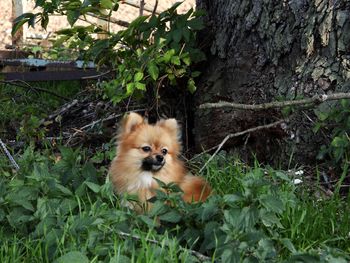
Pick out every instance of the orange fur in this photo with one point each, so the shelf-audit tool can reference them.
(129, 173)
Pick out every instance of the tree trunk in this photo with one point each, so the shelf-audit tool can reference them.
(262, 51)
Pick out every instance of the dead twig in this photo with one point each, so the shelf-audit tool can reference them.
(62, 110)
(316, 99)
(81, 130)
(135, 3)
(232, 135)
(110, 117)
(111, 19)
(97, 76)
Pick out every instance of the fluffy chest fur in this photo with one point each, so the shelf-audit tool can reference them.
(143, 181)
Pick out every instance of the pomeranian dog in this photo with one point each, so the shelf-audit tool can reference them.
(147, 152)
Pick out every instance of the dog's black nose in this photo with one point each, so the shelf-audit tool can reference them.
(159, 158)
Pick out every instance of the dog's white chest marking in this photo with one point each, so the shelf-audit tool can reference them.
(144, 180)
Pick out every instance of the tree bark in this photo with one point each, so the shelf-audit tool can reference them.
(261, 51)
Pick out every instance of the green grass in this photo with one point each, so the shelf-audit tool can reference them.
(58, 211)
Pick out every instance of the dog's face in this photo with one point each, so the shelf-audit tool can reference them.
(148, 147)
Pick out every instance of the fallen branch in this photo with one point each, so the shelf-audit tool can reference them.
(9, 156)
(316, 99)
(200, 256)
(111, 117)
(62, 110)
(232, 135)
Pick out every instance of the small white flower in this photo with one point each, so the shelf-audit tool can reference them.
(292, 135)
(300, 172)
(297, 181)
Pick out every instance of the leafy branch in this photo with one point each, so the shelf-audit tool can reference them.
(149, 48)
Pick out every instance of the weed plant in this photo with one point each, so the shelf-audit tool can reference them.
(65, 211)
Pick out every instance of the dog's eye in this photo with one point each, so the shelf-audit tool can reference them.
(164, 151)
(146, 149)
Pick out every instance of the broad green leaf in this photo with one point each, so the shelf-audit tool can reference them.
(172, 216)
(209, 210)
(322, 115)
(130, 88)
(338, 142)
(67, 206)
(39, 3)
(270, 219)
(153, 70)
(232, 198)
(175, 60)
(282, 176)
(148, 221)
(26, 204)
(89, 172)
(272, 203)
(159, 207)
(196, 24)
(140, 86)
(177, 35)
(168, 55)
(138, 76)
(44, 20)
(18, 25)
(248, 217)
(288, 244)
(107, 4)
(94, 187)
(195, 74)
(72, 16)
(187, 61)
(191, 86)
(63, 189)
(230, 255)
(72, 256)
(186, 33)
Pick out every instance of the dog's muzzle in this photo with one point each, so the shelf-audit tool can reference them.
(153, 164)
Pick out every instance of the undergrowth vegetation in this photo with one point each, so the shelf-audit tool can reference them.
(24, 105)
(60, 209)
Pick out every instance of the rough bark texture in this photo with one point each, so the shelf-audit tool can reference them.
(264, 50)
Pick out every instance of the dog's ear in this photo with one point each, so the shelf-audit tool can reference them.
(172, 126)
(130, 122)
